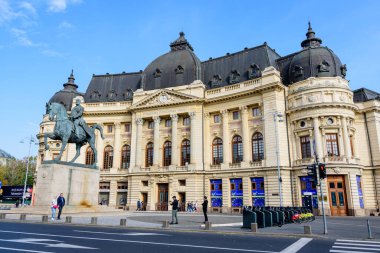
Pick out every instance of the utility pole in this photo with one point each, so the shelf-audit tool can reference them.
(322, 198)
(31, 140)
(277, 117)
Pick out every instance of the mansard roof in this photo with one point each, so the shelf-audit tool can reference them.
(364, 94)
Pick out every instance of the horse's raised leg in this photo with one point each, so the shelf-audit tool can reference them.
(64, 143)
(51, 136)
(77, 147)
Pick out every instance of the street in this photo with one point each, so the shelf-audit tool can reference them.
(43, 238)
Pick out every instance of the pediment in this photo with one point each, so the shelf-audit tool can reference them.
(164, 97)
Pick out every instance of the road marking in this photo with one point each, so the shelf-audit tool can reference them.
(349, 251)
(350, 247)
(129, 234)
(145, 242)
(25, 250)
(295, 247)
(46, 243)
(357, 244)
(356, 225)
(341, 240)
(226, 224)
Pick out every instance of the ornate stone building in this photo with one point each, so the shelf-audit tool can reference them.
(227, 127)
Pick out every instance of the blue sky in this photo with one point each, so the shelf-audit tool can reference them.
(42, 40)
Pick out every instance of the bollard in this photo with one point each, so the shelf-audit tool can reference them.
(254, 227)
(307, 230)
(22, 216)
(208, 225)
(94, 220)
(45, 218)
(165, 224)
(369, 230)
(68, 219)
(2, 216)
(123, 222)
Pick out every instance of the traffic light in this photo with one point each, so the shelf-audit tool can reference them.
(322, 170)
(312, 172)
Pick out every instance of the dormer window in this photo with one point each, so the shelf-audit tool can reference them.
(95, 96)
(179, 70)
(297, 71)
(128, 94)
(111, 96)
(157, 73)
(234, 76)
(343, 70)
(324, 66)
(254, 71)
(215, 81)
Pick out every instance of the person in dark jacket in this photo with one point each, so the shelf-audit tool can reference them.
(174, 203)
(204, 208)
(60, 203)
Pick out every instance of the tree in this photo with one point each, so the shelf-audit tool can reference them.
(14, 172)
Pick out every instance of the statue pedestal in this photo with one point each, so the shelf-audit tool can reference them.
(78, 183)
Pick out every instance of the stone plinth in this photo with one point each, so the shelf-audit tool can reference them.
(78, 183)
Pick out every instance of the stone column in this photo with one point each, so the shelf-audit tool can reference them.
(100, 147)
(346, 139)
(175, 159)
(247, 155)
(133, 143)
(207, 147)
(113, 193)
(117, 148)
(317, 138)
(226, 138)
(293, 141)
(156, 138)
(139, 123)
(193, 140)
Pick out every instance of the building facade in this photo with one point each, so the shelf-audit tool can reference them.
(240, 129)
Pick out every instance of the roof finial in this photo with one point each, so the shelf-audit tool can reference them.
(181, 43)
(70, 83)
(311, 40)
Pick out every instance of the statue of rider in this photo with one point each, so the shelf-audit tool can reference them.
(76, 117)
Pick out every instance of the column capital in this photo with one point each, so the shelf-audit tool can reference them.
(157, 119)
(206, 115)
(174, 117)
(192, 115)
(224, 112)
(243, 109)
(139, 121)
(117, 125)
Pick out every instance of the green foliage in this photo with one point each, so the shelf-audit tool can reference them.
(13, 173)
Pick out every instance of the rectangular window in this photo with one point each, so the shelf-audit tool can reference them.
(168, 123)
(253, 186)
(256, 111)
(332, 145)
(127, 127)
(235, 115)
(352, 145)
(212, 187)
(216, 192)
(109, 129)
(104, 185)
(305, 147)
(360, 191)
(186, 121)
(144, 183)
(217, 118)
(151, 124)
(258, 191)
(182, 182)
(232, 187)
(122, 185)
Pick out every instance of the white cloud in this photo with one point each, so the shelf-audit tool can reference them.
(65, 25)
(6, 12)
(22, 37)
(29, 8)
(51, 53)
(61, 5)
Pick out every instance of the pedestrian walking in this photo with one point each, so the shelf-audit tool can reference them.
(174, 205)
(138, 205)
(196, 206)
(204, 208)
(61, 203)
(53, 207)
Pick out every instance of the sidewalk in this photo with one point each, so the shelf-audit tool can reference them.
(338, 227)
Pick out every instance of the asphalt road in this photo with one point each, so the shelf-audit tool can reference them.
(44, 238)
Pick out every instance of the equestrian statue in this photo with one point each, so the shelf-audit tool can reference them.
(71, 129)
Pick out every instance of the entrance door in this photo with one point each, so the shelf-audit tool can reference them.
(337, 193)
(163, 197)
(144, 200)
(181, 201)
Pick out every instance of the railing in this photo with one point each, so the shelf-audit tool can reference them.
(181, 167)
(215, 166)
(145, 169)
(256, 163)
(235, 165)
(304, 161)
(163, 168)
(234, 87)
(334, 158)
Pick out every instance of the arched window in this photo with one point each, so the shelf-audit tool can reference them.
(185, 152)
(237, 149)
(149, 154)
(167, 153)
(90, 158)
(108, 158)
(217, 151)
(257, 147)
(125, 156)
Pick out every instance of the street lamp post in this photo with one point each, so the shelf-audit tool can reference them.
(278, 117)
(31, 140)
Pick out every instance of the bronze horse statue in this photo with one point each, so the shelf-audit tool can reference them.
(64, 131)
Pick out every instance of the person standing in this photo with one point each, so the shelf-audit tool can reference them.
(174, 205)
(53, 207)
(204, 208)
(138, 205)
(61, 203)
